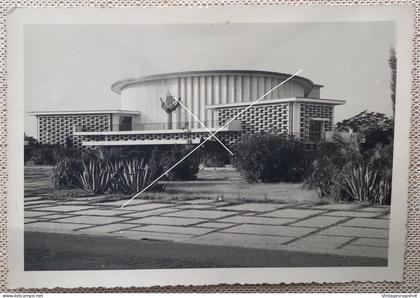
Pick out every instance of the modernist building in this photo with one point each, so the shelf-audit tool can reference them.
(214, 97)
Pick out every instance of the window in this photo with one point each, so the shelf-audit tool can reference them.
(125, 123)
(315, 131)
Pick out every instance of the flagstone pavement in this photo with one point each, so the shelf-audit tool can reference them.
(342, 229)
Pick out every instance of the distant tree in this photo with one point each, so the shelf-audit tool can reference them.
(31, 140)
(365, 121)
(376, 128)
(392, 61)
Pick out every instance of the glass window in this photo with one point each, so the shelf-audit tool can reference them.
(315, 131)
(126, 123)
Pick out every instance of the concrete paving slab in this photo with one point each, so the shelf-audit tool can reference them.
(145, 207)
(258, 220)
(240, 240)
(194, 206)
(254, 207)
(102, 212)
(110, 228)
(319, 242)
(169, 221)
(63, 208)
(53, 228)
(75, 203)
(375, 209)
(34, 213)
(317, 221)
(356, 232)
(56, 216)
(141, 214)
(89, 198)
(368, 223)
(242, 225)
(221, 204)
(371, 242)
(269, 230)
(337, 206)
(292, 213)
(199, 201)
(174, 229)
(215, 224)
(352, 214)
(202, 213)
(33, 198)
(35, 207)
(142, 235)
(119, 203)
(90, 220)
(376, 252)
(111, 203)
(40, 202)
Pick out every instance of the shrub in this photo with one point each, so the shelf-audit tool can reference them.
(270, 158)
(186, 170)
(343, 171)
(214, 155)
(61, 152)
(321, 179)
(132, 175)
(101, 171)
(364, 184)
(136, 175)
(42, 154)
(49, 154)
(64, 174)
(95, 176)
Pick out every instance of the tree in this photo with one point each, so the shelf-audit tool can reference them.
(364, 122)
(30, 140)
(392, 61)
(375, 128)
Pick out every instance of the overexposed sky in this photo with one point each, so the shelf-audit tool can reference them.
(72, 67)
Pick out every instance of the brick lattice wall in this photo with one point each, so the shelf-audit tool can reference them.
(309, 111)
(273, 118)
(56, 128)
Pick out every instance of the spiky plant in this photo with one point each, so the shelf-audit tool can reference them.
(134, 175)
(365, 185)
(95, 176)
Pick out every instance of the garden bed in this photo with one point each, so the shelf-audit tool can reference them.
(220, 183)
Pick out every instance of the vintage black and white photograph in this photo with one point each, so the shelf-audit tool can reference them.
(216, 144)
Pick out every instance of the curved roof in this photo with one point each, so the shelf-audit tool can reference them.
(118, 86)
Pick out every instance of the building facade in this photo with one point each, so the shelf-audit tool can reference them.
(150, 116)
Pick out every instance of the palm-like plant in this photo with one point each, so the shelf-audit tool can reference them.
(364, 184)
(95, 176)
(134, 175)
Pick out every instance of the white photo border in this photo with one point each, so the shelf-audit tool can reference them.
(402, 15)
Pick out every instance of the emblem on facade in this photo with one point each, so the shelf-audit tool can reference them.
(169, 105)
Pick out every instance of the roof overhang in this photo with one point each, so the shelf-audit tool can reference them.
(88, 112)
(235, 125)
(142, 142)
(118, 86)
(276, 101)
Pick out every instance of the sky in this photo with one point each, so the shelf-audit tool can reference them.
(72, 67)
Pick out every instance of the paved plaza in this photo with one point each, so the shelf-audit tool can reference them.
(340, 229)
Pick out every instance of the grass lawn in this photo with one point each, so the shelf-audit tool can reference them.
(211, 183)
(38, 184)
